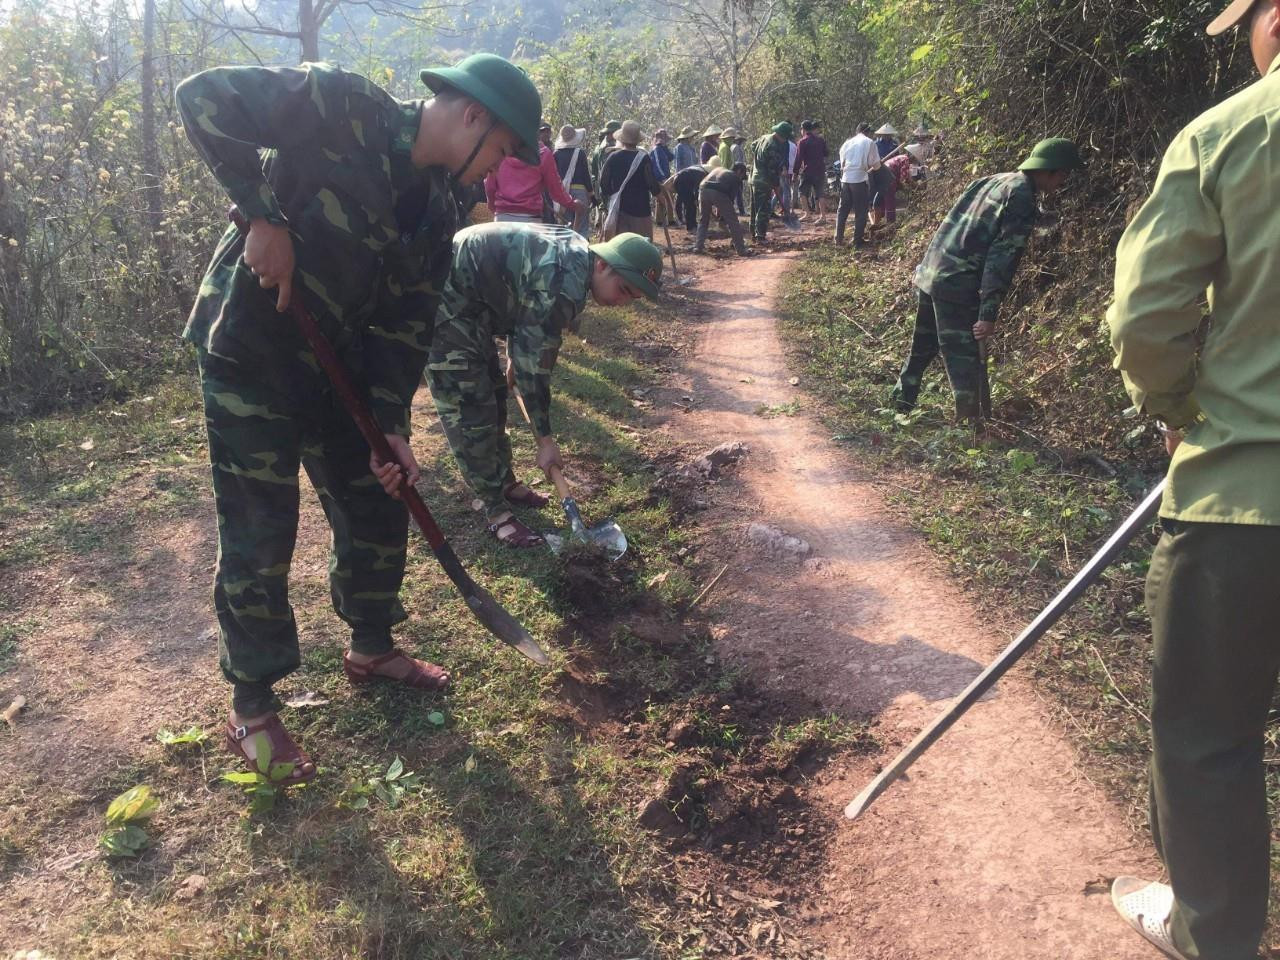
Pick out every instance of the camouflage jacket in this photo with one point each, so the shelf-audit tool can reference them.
(372, 233)
(973, 256)
(525, 282)
(769, 159)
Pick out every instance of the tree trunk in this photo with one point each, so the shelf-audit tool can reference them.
(308, 31)
(151, 174)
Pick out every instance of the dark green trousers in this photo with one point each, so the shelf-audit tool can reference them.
(470, 393)
(1215, 617)
(261, 429)
(946, 328)
(761, 207)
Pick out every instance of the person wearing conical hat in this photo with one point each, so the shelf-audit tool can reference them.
(724, 150)
(686, 154)
(575, 175)
(886, 140)
(967, 270)
(627, 185)
(528, 283)
(710, 143)
(369, 265)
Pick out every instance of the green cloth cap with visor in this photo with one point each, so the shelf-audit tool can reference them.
(610, 128)
(502, 88)
(637, 260)
(784, 128)
(1056, 153)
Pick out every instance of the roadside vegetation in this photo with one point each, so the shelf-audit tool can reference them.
(1066, 457)
(609, 807)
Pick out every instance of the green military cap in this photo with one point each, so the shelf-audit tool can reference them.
(610, 128)
(636, 259)
(784, 128)
(1056, 153)
(502, 88)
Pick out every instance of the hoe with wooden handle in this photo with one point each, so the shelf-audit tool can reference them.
(1024, 642)
(481, 603)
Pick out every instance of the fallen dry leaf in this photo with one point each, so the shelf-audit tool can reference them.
(13, 710)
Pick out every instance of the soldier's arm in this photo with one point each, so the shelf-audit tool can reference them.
(230, 113)
(534, 346)
(1165, 261)
(1013, 228)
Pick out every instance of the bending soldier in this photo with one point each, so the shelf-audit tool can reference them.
(528, 284)
(967, 270)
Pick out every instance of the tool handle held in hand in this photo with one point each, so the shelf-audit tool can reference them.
(555, 473)
(359, 411)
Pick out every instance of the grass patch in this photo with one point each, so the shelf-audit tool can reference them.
(1017, 514)
(532, 814)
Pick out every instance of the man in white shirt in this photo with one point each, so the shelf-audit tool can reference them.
(858, 157)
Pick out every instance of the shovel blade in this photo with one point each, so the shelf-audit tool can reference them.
(503, 625)
(608, 538)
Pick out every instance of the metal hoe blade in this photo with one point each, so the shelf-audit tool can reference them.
(504, 626)
(1012, 653)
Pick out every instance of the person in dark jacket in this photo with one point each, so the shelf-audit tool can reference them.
(575, 173)
(685, 186)
(627, 182)
(715, 198)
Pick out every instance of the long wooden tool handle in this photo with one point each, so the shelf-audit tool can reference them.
(1024, 642)
(557, 477)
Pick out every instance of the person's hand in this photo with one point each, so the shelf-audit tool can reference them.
(983, 329)
(1171, 440)
(549, 456)
(268, 253)
(394, 474)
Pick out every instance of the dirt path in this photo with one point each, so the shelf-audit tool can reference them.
(998, 846)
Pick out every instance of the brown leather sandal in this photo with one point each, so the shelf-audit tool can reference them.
(283, 748)
(530, 498)
(421, 675)
(515, 534)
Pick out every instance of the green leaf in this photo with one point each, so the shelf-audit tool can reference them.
(263, 760)
(136, 803)
(470, 765)
(124, 841)
(242, 779)
(396, 769)
(191, 735)
(920, 52)
(435, 718)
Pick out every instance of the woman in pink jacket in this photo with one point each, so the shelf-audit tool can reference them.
(515, 189)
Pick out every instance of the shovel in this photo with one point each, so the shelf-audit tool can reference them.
(605, 536)
(481, 603)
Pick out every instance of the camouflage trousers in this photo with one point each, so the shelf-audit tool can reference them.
(946, 328)
(761, 207)
(470, 393)
(261, 429)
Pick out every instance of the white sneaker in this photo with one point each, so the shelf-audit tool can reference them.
(1147, 907)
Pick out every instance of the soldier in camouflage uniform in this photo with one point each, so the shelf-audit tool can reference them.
(967, 270)
(368, 184)
(529, 284)
(769, 157)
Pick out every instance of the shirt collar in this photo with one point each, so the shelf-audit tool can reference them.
(409, 119)
(1275, 65)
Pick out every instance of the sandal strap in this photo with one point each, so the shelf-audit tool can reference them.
(520, 536)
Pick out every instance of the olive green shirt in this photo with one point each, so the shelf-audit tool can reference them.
(1210, 224)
